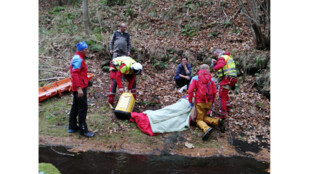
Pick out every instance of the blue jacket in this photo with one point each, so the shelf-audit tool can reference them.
(78, 70)
(181, 70)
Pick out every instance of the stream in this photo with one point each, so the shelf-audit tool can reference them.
(93, 162)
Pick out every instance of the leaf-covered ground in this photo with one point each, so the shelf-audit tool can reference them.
(161, 32)
(249, 117)
(155, 26)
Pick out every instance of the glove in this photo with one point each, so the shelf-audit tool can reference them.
(191, 105)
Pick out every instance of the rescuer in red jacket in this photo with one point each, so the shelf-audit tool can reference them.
(78, 70)
(127, 67)
(205, 96)
(226, 71)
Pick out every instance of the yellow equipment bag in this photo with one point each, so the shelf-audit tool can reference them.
(125, 106)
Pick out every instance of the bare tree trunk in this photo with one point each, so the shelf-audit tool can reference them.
(256, 21)
(260, 40)
(86, 16)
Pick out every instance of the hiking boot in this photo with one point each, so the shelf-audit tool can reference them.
(73, 130)
(221, 125)
(84, 131)
(207, 134)
(87, 134)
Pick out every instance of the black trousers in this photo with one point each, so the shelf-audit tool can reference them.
(182, 82)
(79, 107)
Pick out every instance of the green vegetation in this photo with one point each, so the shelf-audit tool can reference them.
(213, 34)
(56, 10)
(147, 103)
(228, 23)
(241, 138)
(238, 30)
(260, 105)
(94, 46)
(160, 65)
(191, 4)
(153, 14)
(48, 168)
(260, 61)
(53, 116)
(189, 31)
(129, 11)
(211, 24)
(112, 2)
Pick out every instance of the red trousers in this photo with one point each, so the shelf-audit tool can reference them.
(224, 100)
(113, 87)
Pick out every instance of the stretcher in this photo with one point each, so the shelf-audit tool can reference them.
(57, 87)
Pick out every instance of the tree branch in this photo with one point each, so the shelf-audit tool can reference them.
(52, 71)
(52, 67)
(60, 153)
(235, 14)
(45, 57)
(52, 78)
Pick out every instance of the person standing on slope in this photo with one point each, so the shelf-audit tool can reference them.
(120, 43)
(79, 79)
(226, 71)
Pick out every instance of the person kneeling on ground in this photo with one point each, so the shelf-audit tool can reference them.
(205, 95)
(127, 67)
(79, 79)
(183, 73)
(195, 78)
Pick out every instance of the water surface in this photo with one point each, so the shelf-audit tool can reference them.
(118, 162)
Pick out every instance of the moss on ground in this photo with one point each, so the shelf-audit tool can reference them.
(48, 168)
(53, 116)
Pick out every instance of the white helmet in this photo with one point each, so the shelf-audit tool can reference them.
(137, 68)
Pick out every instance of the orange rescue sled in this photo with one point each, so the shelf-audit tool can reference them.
(57, 87)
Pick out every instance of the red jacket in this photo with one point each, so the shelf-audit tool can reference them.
(211, 91)
(220, 63)
(78, 70)
(129, 77)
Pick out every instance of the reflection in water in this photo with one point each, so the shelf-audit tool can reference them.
(100, 162)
